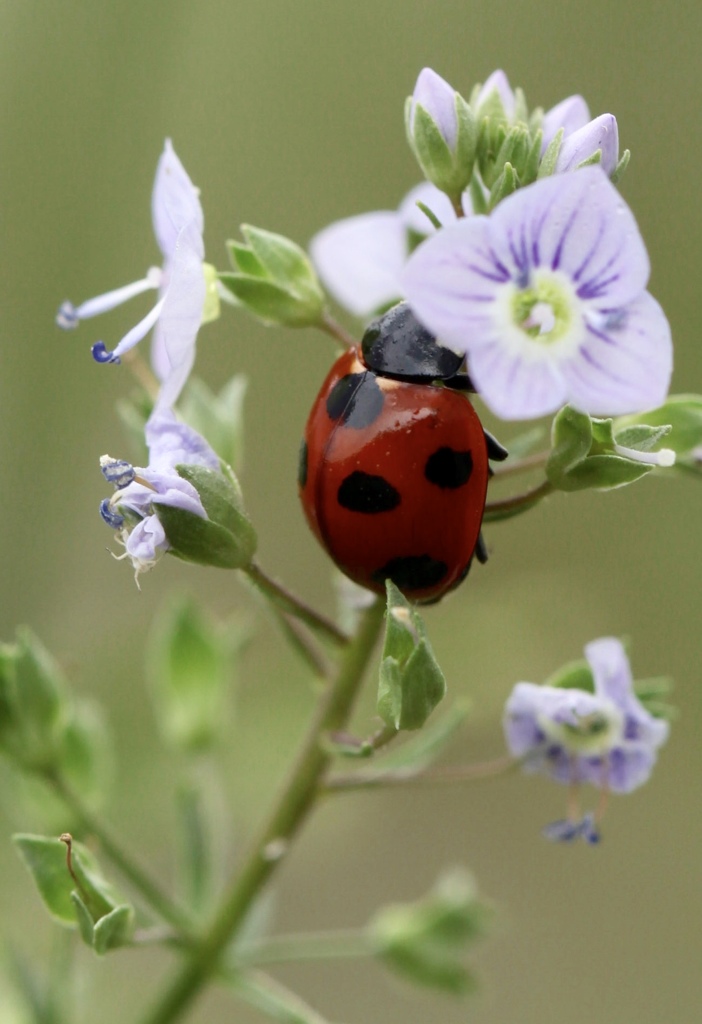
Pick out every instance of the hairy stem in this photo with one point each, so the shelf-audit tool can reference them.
(281, 826)
(290, 604)
(332, 327)
(330, 945)
(508, 507)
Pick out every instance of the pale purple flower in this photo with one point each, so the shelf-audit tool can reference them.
(605, 738)
(130, 510)
(438, 98)
(360, 259)
(178, 226)
(547, 298)
(570, 115)
(580, 145)
(498, 83)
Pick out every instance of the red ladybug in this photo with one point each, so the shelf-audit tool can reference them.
(393, 466)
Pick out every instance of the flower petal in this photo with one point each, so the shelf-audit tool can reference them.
(437, 201)
(499, 83)
(570, 115)
(181, 317)
(517, 386)
(602, 134)
(145, 542)
(623, 367)
(577, 224)
(360, 260)
(175, 202)
(172, 442)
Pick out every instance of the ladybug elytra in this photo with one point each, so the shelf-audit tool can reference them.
(394, 466)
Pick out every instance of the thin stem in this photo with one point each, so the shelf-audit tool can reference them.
(509, 507)
(289, 811)
(302, 644)
(332, 327)
(141, 372)
(292, 605)
(330, 945)
(274, 999)
(142, 882)
(511, 467)
(374, 779)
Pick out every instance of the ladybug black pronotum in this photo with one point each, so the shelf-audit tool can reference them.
(394, 462)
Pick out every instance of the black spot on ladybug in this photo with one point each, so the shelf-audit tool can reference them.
(363, 492)
(357, 399)
(302, 464)
(414, 572)
(449, 468)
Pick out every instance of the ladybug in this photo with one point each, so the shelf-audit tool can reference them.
(394, 462)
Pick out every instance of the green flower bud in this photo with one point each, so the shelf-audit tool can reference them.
(441, 131)
(274, 279)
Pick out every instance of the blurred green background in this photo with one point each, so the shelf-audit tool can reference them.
(288, 116)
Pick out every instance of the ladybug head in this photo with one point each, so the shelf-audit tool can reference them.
(397, 345)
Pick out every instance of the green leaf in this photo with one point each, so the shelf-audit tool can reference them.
(683, 413)
(46, 861)
(618, 172)
(84, 757)
(85, 921)
(114, 929)
(226, 540)
(571, 438)
(506, 184)
(603, 472)
(411, 682)
(286, 264)
(191, 667)
(272, 303)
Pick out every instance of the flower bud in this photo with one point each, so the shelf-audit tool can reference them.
(274, 279)
(441, 130)
(582, 146)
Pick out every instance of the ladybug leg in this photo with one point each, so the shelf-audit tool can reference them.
(495, 450)
(460, 382)
(481, 551)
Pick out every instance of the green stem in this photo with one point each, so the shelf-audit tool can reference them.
(330, 326)
(285, 819)
(508, 507)
(511, 467)
(331, 945)
(292, 605)
(412, 777)
(142, 882)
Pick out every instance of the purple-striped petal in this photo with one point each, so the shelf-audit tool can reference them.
(517, 386)
(625, 365)
(577, 224)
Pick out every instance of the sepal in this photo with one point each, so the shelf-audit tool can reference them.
(411, 682)
(274, 279)
(226, 539)
(426, 941)
(442, 133)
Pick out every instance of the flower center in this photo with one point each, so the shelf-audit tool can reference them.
(543, 311)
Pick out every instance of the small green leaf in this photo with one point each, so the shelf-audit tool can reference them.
(603, 472)
(244, 261)
(504, 186)
(411, 682)
(571, 438)
(85, 753)
(618, 172)
(114, 929)
(191, 666)
(576, 675)
(46, 861)
(272, 303)
(286, 263)
(683, 413)
(85, 921)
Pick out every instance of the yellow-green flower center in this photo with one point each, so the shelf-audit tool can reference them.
(544, 311)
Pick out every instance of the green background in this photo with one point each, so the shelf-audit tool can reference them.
(288, 116)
